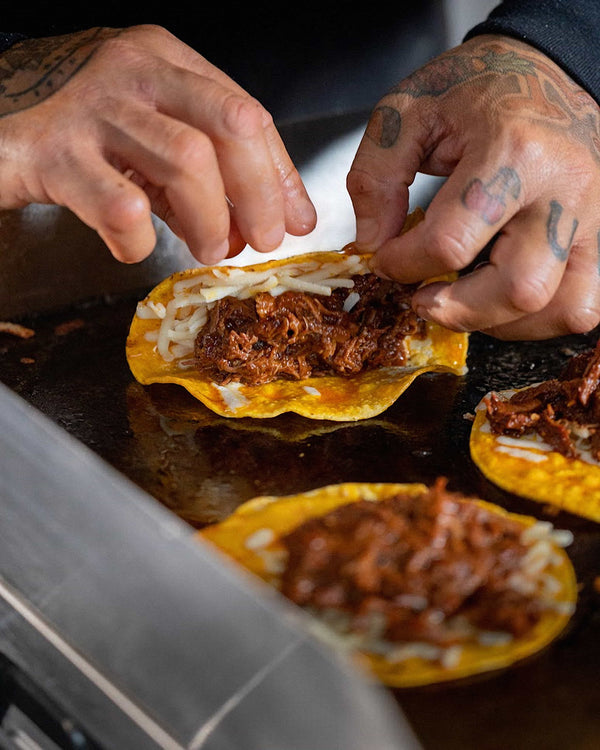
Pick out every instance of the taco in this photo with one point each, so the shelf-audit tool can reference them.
(317, 334)
(418, 584)
(542, 442)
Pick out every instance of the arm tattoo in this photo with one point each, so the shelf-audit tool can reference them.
(560, 251)
(33, 70)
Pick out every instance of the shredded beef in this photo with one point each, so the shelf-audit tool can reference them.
(296, 335)
(564, 412)
(426, 565)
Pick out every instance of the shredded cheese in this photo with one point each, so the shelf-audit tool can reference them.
(186, 313)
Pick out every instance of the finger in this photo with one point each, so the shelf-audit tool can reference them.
(299, 210)
(480, 196)
(574, 309)
(384, 166)
(525, 269)
(300, 214)
(106, 201)
(234, 124)
(181, 162)
(236, 241)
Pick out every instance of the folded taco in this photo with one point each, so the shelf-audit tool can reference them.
(317, 334)
(542, 442)
(419, 584)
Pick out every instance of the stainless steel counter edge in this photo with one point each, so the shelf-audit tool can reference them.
(110, 603)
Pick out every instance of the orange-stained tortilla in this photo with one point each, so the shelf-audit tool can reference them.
(329, 397)
(251, 535)
(529, 468)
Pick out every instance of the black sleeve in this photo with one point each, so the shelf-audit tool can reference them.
(8, 39)
(567, 31)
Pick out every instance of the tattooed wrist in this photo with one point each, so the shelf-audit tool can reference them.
(33, 70)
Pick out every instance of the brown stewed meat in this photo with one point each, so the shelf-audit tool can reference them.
(565, 411)
(432, 567)
(297, 335)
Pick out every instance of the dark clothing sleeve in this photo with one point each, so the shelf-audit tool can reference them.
(567, 31)
(8, 39)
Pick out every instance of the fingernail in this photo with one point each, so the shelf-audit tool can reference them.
(422, 312)
(306, 213)
(216, 255)
(273, 237)
(375, 267)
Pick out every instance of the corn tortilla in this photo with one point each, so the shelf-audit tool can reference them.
(330, 397)
(536, 473)
(272, 517)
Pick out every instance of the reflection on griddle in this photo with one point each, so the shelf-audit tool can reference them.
(202, 466)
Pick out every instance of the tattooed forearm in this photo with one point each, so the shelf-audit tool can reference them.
(560, 251)
(33, 70)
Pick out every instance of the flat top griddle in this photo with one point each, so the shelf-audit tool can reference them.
(202, 466)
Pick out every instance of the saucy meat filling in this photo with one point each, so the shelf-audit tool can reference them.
(297, 335)
(564, 412)
(435, 568)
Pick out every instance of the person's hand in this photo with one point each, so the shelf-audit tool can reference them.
(519, 143)
(114, 124)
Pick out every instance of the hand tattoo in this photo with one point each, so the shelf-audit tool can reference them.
(384, 126)
(517, 78)
(488, 200)
(452, 69)
(33, 70)
(560, 251)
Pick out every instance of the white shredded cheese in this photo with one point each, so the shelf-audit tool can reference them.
(259, 539)
(231, 395)
(535, 443)
(528, 455)
(312, 391)
(187, 311)
(528, 448)
(351, 301)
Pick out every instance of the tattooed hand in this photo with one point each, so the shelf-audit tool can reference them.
(520, 145)
(115, 123)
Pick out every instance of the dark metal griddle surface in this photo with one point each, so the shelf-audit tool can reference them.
(202, 466)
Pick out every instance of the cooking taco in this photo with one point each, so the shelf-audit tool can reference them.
(317, 334)
(542, 442)
(419, 584)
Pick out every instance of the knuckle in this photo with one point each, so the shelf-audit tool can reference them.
(128, 39)
(529, 294)
(124, 211)
(151, 28)
(189, 150)
(243, 116)
(452, 248)
(581, 319)
(523, 148)
(585, 178)
(358, 182)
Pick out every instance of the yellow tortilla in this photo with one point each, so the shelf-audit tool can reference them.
(331, 397)
(536, 473)
(250, 536)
